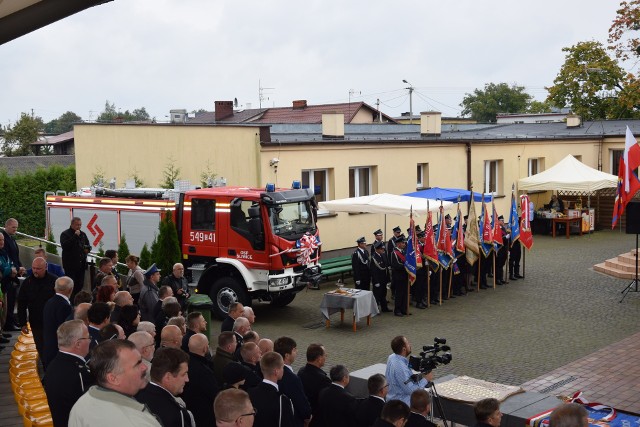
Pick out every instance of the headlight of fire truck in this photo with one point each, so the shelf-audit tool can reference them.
(280, 281)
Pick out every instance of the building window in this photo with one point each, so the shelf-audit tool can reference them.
(359, 181)
(422, 179)
(615, 161)
(493, 176)
(203, 214)
(536, 165)
(318, 179)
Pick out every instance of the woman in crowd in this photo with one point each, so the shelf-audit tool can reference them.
(135, 277)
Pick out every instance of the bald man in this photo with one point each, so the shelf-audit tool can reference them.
(146, 345)
(33, 295)
(266, 345)
(171, 336)
(82, 312)
(202, 387)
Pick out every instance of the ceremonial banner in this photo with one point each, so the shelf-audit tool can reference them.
(472, 236)
(410, 259)
(514, 224)
(486, 244)
(457, 235)
(430, 250)
(628, 183)
(496, 229)
(445, 251)
(526, 237)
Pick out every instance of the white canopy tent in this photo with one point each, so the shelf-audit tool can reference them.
(569, 174)
(384, 203)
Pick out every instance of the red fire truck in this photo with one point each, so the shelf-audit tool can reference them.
(238, 243)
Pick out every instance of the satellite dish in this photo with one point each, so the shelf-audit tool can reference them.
(235, 102)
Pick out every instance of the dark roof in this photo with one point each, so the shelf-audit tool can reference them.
(55, 140)
(308, 114)
(13, 165)
(457, 133)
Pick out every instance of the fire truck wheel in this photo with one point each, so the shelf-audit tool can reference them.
(283, 300)
(223, 292)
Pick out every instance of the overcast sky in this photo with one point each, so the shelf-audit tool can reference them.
(166, 54)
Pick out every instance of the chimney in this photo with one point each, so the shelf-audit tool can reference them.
(224, 109)
(573, 121)
(430, 123)
(299, 104)
(333, 125)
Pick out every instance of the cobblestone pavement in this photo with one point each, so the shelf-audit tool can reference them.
(561, 312)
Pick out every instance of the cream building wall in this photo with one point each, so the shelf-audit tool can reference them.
(122, 150)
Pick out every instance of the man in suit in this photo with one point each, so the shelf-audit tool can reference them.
(369, 409)
(399, 276)
(378, 236)
(420, 409)
(232, 408)
(487, 412)
(196, 324)
(360, 265)
(146, 346)
(202, 388)
(274, 409)
(121, 299)
(34, 294)
(98, 315)
(240, 327)
(236, 310)
(391, 244)
(250, 358)
(68, 377)
(394, 414)
(56, 311)
(75, 247)
(224, 354)
(9, 283)
(169, 374)
(336, 406)
(313, 378)
(290, 384)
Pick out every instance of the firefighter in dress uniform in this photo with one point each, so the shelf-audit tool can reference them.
(420, 285)
(399, 276)
(380, 275)
(360, 265)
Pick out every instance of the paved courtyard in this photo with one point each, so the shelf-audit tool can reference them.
(561, 312)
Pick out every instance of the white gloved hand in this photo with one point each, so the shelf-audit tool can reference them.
(357, 282)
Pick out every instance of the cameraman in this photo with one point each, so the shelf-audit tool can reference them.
(402, 381)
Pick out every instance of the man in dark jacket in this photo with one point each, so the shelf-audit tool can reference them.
(202, 388)
(274, 409)
(336, 406)
(394, 414)
(360, 265)
(9, 284)
(75, 247)
(290, 384)
(487, 412)
(55, 313)
(369, 409)
(313, 378)
(420, 409)
(169, 374)
(68, 376)
(179, 284)
(34, 294)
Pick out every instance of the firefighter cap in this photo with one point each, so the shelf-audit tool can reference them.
(378, 232)
(378, 244)
(151, 270)
(361, 240)
(397, 229)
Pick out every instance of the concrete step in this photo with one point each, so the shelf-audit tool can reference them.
(615, 263)
(628, 258)
(613, 271)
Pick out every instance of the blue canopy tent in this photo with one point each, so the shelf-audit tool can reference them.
(447, 194)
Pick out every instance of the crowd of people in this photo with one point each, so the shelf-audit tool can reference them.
(382, 267)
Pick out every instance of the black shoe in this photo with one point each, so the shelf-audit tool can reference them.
(421, 306)
(484, 287)
(436, 302)
(6, 335)
(398, 314)
(386, 310)
(518, 276)
(513, 278)
(4, 341)
(489, 274)
(452, 296)
(12, 328)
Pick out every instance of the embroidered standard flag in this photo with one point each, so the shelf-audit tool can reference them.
(526, 238)
(430, 251)
(628, 183)
(496, 229)
(486, 243)
(514, 224)
(472, 235)
(445, 252)
(457, 235)
(410, 259)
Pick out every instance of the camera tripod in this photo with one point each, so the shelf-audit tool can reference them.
(633, 286)
(435, 397)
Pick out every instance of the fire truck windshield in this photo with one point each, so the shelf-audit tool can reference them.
(291, 220)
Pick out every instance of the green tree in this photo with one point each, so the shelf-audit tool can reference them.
(137, 179)
(623, 33)
(123, 253)
(537, 107)
(484, 105)
(62, 124)
(170, 174)
(207, 175)
(98, 178)
(50, 247)
(588, 82)
(167, 250)
(111, 114)
(145, 257)
(18, 138)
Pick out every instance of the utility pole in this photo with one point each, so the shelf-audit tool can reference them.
(378, 108)
(410, 88)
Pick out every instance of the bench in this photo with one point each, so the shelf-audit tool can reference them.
(339, 265)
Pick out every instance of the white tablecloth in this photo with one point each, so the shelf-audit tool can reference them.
(362, 302)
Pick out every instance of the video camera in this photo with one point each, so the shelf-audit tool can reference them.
(431, 356)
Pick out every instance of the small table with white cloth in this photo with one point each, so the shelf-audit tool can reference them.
(360, 301)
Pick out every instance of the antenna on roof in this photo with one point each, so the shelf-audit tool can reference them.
(262, 96)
